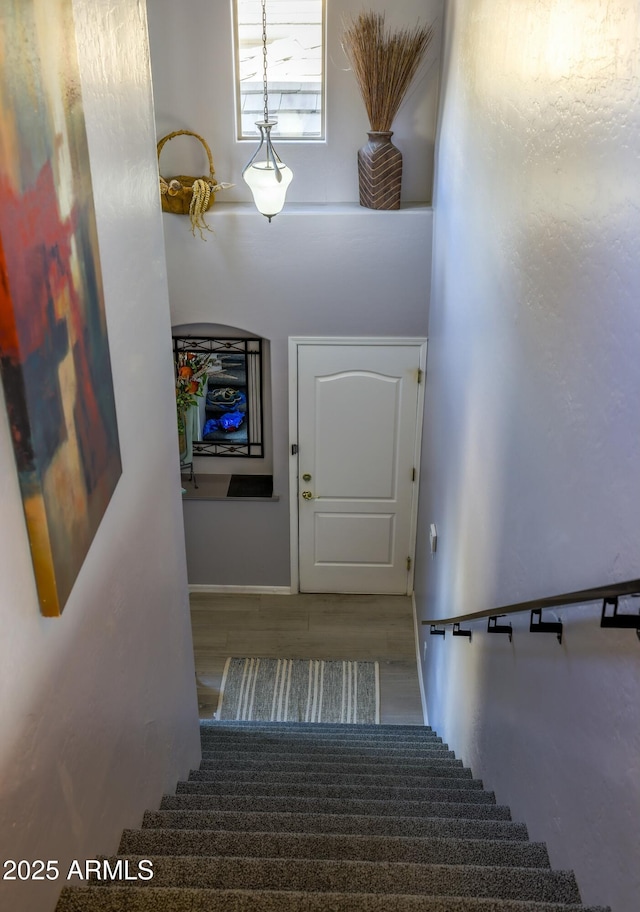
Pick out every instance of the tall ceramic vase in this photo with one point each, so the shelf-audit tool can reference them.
(380, 172)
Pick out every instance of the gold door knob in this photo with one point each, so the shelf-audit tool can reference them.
(307, 495)
(306, 477)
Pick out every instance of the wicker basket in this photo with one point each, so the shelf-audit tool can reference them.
(176, 193)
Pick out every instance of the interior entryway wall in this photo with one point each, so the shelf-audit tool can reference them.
(319, 272)
(193, 77)
(324, 266)
(532, 430)
(98, 716)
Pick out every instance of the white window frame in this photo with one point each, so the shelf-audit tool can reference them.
(278, 131)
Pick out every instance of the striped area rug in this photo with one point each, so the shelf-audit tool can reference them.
(299, 690)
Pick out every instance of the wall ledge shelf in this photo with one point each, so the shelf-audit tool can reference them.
(201, 498)
(239, 488)
(241, 209)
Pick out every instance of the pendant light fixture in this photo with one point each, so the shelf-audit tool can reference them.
(267, 176)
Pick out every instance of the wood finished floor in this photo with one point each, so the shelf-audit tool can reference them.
(357, 627)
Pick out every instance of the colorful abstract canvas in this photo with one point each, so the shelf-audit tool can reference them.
(54, 352)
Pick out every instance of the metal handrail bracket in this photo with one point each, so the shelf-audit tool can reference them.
(494, 627)
(537, 625)
(617, 620)
(461, 633)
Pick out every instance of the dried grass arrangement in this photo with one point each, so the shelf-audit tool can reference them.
(384, 63)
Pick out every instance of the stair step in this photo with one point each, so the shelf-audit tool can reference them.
(311, 744)
(212, 772)
(432, 759)
(330, 749)
(453, 768)
(354, 824)
(318, 875)
(317, 727)
(335, 806)
(198, 786)
(268, 737)
(113, 899)
(332, 846)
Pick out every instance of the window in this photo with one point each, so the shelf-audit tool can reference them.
(295, 67)
(228, 414)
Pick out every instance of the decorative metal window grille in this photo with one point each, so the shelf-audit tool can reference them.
(230, 413)
(295, 65)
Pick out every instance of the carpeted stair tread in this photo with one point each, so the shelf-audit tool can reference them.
(348, 751)
(372, 758)
(336, 806)
(334, 846)
(197, 786)
(151, 899)
(453, 768)
(319, 875)
(215, 773)
(207, 725)
(309, 738)
(314, 729)
(348, 824)
(311, 744)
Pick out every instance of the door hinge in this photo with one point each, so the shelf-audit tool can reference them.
(294, 449)
(408, 563)
(420, 374)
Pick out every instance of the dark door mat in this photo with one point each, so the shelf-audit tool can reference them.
(250, 486)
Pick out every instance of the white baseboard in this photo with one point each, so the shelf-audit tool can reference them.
(240, 590)
(423, 696)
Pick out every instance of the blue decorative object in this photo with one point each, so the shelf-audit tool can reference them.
(231, 421)
(210, 427)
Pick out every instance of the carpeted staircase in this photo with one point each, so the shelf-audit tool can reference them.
(346, 818)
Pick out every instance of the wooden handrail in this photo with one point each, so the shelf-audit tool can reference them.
(613, 590)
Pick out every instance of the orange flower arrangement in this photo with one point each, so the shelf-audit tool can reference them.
(191, 377)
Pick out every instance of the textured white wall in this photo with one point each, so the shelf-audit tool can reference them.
(323, 267)
(532, 434)
(314, 271)
(193, 76)
(91, 732)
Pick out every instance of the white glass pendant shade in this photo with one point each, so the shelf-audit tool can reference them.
(267, 177)
(268, 191)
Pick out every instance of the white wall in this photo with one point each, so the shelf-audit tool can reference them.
(324, 266)
(91, 733)
(332, 271)
(532, 433)
(193, 76)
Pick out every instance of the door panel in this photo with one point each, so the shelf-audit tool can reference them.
(357, 427)
(348, 406)
(356, 538)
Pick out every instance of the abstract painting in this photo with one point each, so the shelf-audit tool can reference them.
(54, 351)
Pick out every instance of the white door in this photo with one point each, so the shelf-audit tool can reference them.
(358, 431)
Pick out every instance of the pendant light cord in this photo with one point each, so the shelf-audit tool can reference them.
(264, 60)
